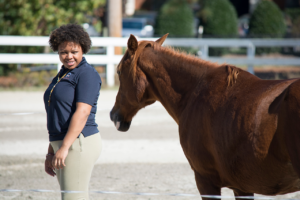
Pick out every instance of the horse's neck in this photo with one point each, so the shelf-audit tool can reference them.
(173, 80)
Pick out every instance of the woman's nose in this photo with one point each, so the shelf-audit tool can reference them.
(69, 55)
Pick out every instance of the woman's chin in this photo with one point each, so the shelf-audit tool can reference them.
(70, 67)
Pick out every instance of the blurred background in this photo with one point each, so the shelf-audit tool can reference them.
(201, 19)
(261, 36)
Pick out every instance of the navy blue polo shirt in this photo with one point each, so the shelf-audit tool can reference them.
(82, 84)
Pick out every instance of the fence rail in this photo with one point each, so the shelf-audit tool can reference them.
(110, 59)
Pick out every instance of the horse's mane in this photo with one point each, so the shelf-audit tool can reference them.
(181, 56)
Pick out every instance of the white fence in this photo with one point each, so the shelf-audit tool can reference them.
(110, 59)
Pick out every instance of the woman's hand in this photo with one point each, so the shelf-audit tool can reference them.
(49, 169)
(59, 158)
(77, 123)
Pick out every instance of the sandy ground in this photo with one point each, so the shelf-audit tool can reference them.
(146, 159)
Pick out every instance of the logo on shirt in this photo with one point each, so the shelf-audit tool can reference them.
(68, 75)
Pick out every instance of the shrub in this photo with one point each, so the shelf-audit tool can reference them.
(219, 19)
(35, 78)
(26, 78)
(176, 18)
(267, 21)
(8, 81)
(296, 27)
(294, 15)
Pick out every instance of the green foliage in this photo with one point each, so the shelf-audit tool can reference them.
(267, 21)
(296, 28)
(39, 18)
(219, 19)
(294, 15)
(27, 79)
(176, 18)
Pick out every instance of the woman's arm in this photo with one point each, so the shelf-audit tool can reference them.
(77, 123)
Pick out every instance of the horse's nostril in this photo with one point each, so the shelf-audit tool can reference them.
(123, 126)
(111, 116)
(114, 116)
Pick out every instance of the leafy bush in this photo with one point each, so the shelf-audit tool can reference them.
(296, 27)
(26, 78)
(294, 15)
(219, 19)
(40, 17)
(176, 18)
(267, 21)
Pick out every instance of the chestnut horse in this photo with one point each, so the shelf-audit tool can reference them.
(236, 130)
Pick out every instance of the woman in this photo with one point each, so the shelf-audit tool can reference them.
(71, 105)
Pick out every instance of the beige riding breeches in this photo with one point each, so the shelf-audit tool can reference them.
(76, 175)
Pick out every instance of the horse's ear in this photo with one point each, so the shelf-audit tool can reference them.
(161, 40)
(132, 43)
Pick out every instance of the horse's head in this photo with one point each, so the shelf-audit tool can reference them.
(133, 93)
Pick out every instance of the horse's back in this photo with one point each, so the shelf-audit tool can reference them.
(231, 129)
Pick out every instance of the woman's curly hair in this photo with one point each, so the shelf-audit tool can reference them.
(70, 33)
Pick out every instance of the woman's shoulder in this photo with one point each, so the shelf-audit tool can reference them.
(89, 70)
(88, 67)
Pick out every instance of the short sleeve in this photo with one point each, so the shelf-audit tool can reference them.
(88, 87)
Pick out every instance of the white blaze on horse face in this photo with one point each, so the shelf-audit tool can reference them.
(117, 125)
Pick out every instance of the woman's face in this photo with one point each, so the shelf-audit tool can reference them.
(70, 54)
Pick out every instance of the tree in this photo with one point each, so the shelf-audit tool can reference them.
(293, 14)
(219, 19)
(176, 18)
(39, 18)
(267, 21)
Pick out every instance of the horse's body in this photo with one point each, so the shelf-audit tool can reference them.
(236, 130)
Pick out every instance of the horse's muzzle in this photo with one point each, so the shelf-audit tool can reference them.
(120, 124)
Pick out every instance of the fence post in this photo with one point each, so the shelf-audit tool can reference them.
(110, 67)
(204, 52)
(250, 56)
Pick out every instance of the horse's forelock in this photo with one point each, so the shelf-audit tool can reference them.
(136, 56)
(119, 68)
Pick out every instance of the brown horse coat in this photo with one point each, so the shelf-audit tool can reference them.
(236, 130)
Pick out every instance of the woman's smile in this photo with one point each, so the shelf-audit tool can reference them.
(70, 63)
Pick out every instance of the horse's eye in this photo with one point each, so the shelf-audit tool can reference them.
(119, 73)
